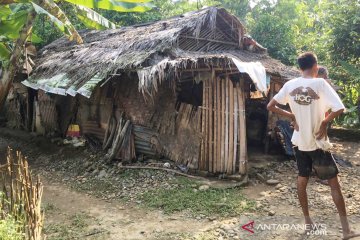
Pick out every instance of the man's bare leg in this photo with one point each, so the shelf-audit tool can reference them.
(302, 195)
(340, 205)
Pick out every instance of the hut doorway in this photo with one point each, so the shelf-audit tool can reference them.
(223, 146)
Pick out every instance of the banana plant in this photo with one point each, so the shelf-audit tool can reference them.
(17, 16)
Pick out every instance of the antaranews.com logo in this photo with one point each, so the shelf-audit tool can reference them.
(315, 229)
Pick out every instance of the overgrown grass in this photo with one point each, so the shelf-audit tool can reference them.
(210, 202)
(9, 229)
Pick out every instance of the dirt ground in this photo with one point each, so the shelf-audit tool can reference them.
(74, 210)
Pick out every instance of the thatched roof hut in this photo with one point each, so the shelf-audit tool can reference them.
(207, 37)
(215, 72)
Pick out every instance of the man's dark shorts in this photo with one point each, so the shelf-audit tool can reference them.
(321, 161)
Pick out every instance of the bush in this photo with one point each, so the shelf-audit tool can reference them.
(9, 229)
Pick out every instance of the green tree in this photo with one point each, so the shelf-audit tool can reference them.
(343, 34)
(16, 25)
(271, 28)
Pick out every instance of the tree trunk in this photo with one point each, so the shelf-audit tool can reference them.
(15, 63)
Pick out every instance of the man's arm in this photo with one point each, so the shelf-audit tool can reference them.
(275, 109)
(334, 103)
(323, 127)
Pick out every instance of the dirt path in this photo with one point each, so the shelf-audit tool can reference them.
(73, 213)
(108, 219)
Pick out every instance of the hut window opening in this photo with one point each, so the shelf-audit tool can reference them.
(189, 91)
(256, 115)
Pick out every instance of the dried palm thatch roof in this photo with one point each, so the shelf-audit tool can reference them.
(210, 36)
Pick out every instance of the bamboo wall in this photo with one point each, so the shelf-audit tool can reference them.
(223, 126)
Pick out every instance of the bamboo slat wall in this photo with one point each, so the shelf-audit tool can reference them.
(223, 126)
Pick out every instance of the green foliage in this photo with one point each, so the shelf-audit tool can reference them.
(92, 19)
(60, 25)
(240, 8)
(210, 202)
(273, 33)
(11, 226)
(12, 24)
(165, 9)
(120, 6)
(330, 28)
(9, 229)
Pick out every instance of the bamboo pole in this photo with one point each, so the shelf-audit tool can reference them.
(242, 129)
(202, 148)
(206, 163)
(226, 123)
(270, 114)
(231, 126)
(210, 126)
(215, 113)
(21, 195)
(218, 122)
(223, 116)
(236, 113)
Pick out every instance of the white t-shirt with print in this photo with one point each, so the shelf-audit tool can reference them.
(309, 100)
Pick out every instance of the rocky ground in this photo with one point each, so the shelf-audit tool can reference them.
(88, 199)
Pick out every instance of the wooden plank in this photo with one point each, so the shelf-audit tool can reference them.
(242, 129)
(215, 122)
(226, 123)
(236, 113)
(223, 115)
(210, 126)
(202, 148)
(206, 149)
(231, 126)
(270, 114)
(219, 114)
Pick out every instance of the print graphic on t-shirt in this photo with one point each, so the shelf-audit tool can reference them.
(304, 96)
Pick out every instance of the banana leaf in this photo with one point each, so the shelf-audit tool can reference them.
(12, 25)
(61, 26)
(52, 8)
(5, 11)
(116, 5)
(4, 51)
(35, 38)
(92, 19)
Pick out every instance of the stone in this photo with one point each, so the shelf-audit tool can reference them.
(102, 174)
(204, 187)
(271, 213)
(167, 165)
(212, 218)
(272, 182)
(263, 194)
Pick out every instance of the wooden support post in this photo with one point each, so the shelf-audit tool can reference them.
(210, 126)
(206, 138)
(242, 129)
(231, 126)
(226, 123)
(236, 113)
(203, 114)
(218, 122)
(270, 114)
(216, 113)
(223, 116)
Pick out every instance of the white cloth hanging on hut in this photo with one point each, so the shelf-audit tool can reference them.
(256, 72)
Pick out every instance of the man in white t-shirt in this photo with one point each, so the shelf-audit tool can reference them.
(309, 99)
